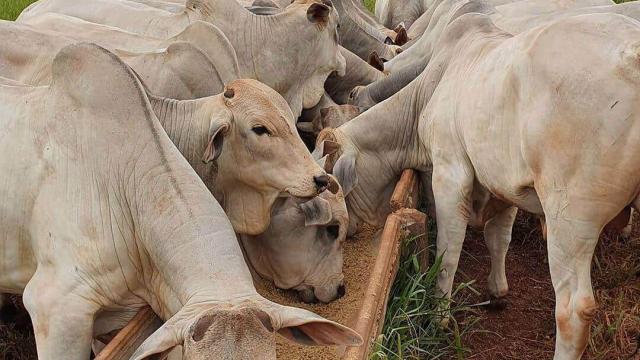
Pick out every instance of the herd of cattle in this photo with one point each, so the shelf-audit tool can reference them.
(152, 153)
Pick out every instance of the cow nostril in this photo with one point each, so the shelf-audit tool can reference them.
(341, 291)
(321, 181)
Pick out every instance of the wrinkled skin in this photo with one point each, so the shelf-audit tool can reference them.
(258, 155)
(331, 116)
(496, 117)
(302, 248)
(130, 221)
(358, 72)
(362, 34)
(177, 69)
(189, 124)
(264, 45)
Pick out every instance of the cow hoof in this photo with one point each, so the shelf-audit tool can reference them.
(497, 304)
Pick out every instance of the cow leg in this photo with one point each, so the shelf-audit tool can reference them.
(62, 316)
(452, 187)
(497, 235)
(626, 231)
(571, 243)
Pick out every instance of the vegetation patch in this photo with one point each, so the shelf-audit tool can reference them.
(10, 9)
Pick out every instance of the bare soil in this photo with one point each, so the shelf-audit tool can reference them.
(525, 329)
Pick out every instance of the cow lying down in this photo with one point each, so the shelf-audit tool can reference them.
(546, 121)
(109, 217)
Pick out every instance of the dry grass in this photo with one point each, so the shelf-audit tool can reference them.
(616, 280)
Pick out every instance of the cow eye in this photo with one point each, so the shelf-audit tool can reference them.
(333, 231)
(260, 130)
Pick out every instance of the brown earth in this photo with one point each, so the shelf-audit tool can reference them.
(526, 328)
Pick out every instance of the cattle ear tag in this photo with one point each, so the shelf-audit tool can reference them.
(317, 211)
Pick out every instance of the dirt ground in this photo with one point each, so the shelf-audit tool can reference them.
(525, 328)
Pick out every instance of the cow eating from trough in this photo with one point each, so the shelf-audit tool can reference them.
(109, 217)
(546, 121)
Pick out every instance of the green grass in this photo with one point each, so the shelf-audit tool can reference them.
(412, 325)
(10, 9)
(370, 4)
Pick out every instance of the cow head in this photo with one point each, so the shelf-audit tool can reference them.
(242, 331)
(317, 51)
(259, 154)
(302, 248)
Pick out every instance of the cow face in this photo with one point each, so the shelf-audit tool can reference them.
(302, 248)
(262, 156)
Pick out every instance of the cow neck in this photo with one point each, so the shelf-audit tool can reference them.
(247, 32)
(186, 122)
(386, 87)
(180, 245)
(386, 142)
(348, 9)
(259, 39)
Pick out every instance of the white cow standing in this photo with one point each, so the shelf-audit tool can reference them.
(547, 121)
(101, 215)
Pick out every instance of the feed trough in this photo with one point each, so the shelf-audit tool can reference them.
(370, 268)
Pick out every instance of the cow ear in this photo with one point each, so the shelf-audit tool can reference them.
(333, 187)
(324, 148)
(160, 343)
(317, 211)
(330, 147)
(376, 61)
(304, 327)
(318, 13)
(345, 171)
(402, 37)
(218, 129)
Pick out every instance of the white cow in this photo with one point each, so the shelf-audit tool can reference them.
(108, 217)
(294, 64)
(546, 121)
(302, 249)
